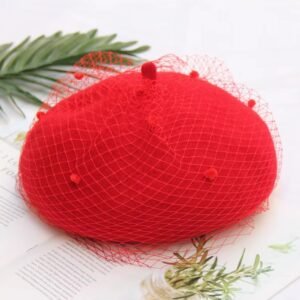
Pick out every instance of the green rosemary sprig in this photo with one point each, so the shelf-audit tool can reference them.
(201, 275)
(36, 63)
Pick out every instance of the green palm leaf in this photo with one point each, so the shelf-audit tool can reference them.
(37, 62)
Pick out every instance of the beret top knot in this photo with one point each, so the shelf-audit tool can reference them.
(166, 151)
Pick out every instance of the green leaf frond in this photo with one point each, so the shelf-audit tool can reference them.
(36, 63)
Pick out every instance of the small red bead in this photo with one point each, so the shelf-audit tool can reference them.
(194, 74)
(75, 178)
(78, 75)
(211, 174)
(251, 103)
(40, 115)
(149, 70)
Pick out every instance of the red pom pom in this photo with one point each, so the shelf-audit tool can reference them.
(149, 70)
(75, 178)
(211, 174)
(144, 185)
(251, 103)
(78, 75)
(40, 114)
(194, 74)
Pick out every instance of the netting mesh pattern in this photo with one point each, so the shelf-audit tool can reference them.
(158, 153)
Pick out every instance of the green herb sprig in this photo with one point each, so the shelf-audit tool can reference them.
(36, 63)
(201, 275)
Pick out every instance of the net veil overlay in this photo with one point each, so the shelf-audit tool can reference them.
(132, 159)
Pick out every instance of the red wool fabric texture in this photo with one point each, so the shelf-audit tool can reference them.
(166, 151)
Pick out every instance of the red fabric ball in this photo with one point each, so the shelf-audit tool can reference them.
(151, 156)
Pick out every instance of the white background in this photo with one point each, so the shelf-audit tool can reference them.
(258, 39)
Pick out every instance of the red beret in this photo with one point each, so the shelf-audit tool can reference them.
(157, 153)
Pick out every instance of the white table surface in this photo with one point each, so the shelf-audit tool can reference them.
(258, 39)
